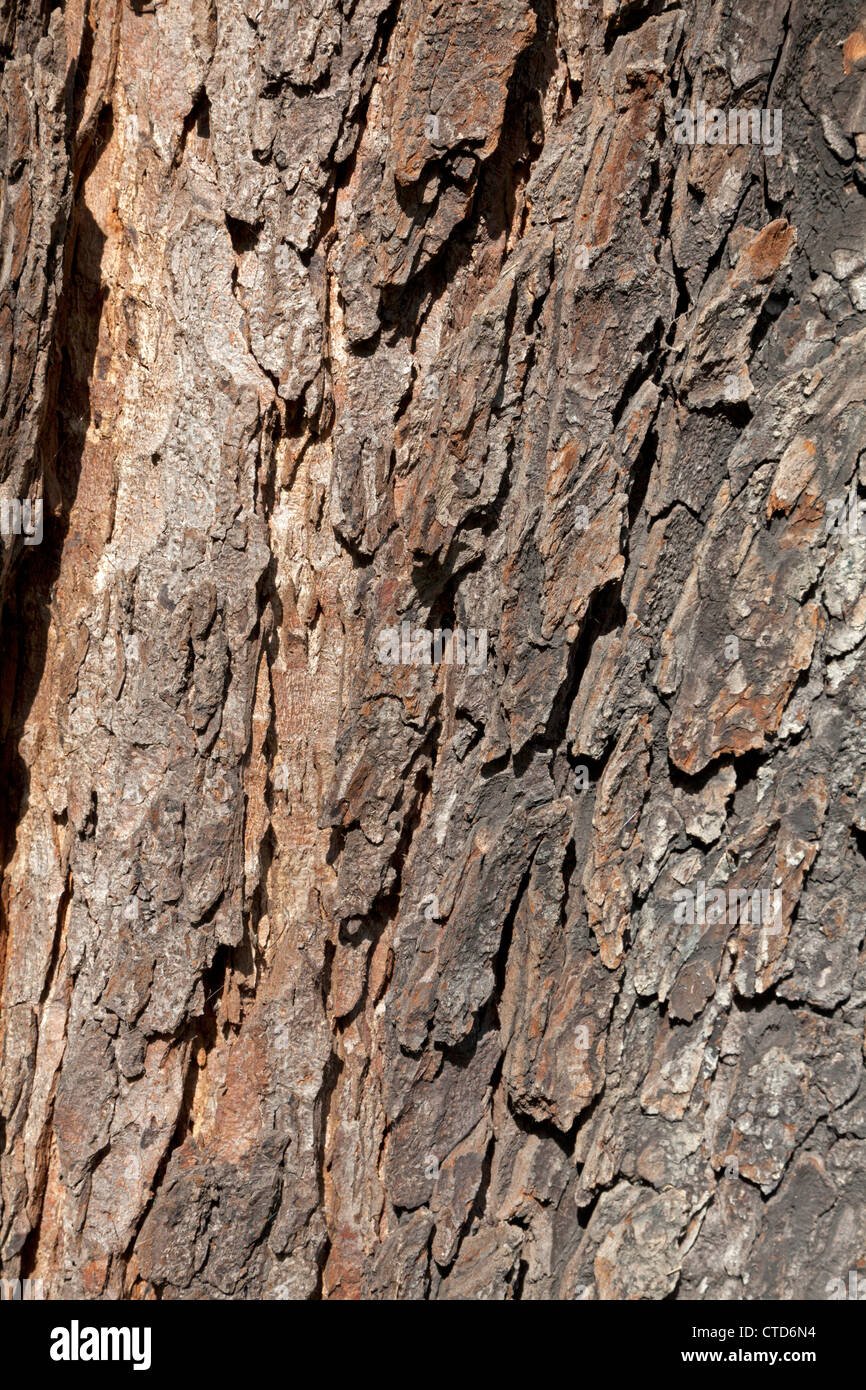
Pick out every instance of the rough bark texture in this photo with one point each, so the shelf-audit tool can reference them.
(324, 977)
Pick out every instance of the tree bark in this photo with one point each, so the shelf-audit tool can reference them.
(340, 964)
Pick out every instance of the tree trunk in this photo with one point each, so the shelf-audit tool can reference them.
(339, 959)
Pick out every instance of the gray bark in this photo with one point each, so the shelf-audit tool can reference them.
(329, 970)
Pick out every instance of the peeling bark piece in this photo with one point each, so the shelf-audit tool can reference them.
(792, 1068)
(606, 879)
(639, 1258)
(734, 663)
